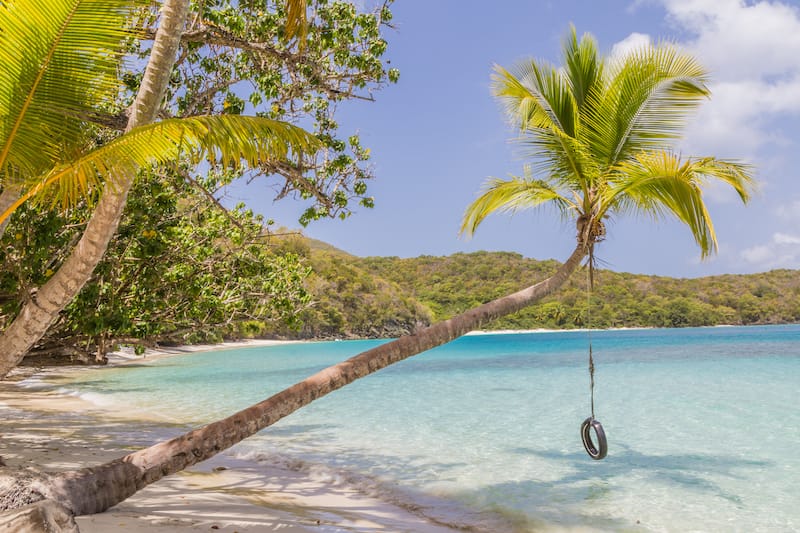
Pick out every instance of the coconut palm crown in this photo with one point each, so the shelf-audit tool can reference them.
(599, 135)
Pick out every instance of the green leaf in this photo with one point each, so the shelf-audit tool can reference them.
(230, 140)
(60, 63)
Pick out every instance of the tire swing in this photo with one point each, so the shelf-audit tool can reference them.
(601, 449)
(598, 451)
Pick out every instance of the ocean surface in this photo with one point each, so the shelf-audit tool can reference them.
(703, 425)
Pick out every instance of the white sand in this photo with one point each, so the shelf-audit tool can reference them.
(57, 432)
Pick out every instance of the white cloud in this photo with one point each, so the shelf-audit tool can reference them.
(736, 121)
(783, 238)
(757, 254)
(752, 51)
(739, 39)
(783, 251)
(790, 211)
(631, 43)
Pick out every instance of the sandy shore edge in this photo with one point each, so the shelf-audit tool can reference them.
(59, 432)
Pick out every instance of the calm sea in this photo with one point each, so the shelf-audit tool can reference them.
(703, 425)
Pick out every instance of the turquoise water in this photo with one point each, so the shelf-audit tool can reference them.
(703, 425)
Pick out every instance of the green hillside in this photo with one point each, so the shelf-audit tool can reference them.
(450, 285)
(390, 296)
(348, 301)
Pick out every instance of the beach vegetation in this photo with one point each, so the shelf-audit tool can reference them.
(67, 42)
(180, 270)
(105, 119)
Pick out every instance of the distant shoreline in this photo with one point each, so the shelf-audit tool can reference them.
(125, 355)
(632, 328)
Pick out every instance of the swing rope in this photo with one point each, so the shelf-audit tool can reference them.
(589, 288)
(601, 449)
(591, 377)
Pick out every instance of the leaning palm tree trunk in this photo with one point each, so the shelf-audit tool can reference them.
(93, 490)
(42, 309)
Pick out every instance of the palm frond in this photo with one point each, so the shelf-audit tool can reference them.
(598, 130)
(563, 159)
(584, 67)
(60, 60)
(734, 173)
(660, 184)
(539, 100)
(535, 96)
(230, 140)
(510, 196)
(647, 99)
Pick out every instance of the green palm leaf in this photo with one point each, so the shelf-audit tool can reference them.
(230, 140)
(646, 102)
(562, 158)
(539, 101)
(60, 61)
(584, 67)
(660, 184)
(535, 97)
(510, 196)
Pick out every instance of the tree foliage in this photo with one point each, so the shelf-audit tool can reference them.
(348, 301)
(236, 57)
(180, 270)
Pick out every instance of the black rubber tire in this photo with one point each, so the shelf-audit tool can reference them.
(601, 450)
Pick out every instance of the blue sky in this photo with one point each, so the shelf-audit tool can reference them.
(438, 134)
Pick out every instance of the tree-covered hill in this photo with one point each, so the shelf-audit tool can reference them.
(450, 285)
(348, 301)
(389, 296)
(337, 295)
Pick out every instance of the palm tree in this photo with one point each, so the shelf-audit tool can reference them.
(599, 134)
(596, 131)
(75, 48)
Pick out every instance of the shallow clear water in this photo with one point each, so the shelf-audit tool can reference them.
(703, 424)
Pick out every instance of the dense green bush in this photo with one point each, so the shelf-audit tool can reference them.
(179, 270)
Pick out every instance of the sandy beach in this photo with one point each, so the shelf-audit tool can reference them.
(59, 432)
